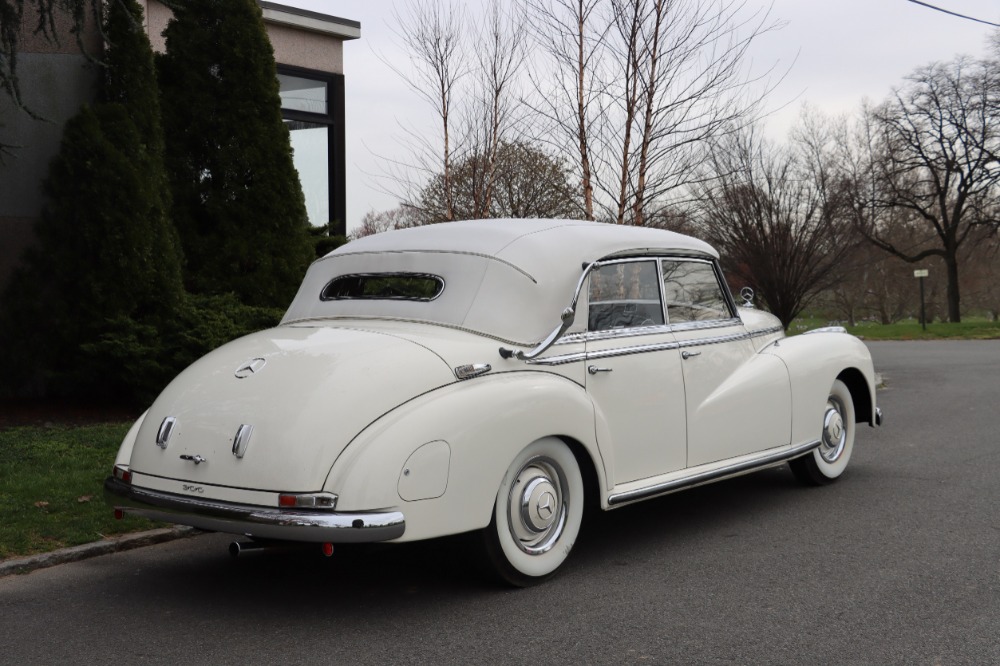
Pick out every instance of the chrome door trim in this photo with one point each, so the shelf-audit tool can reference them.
(575, 357)
(767, 460)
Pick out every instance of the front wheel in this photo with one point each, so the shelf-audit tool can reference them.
(537, 513)
(828, 461)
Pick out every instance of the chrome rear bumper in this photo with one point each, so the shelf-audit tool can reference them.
(254, 521)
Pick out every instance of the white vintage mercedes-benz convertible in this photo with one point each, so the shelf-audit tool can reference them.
(497, 376)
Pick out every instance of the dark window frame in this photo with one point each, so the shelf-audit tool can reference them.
(334, 120)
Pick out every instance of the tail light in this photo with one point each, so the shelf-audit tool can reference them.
(307, 501)
(122, 473)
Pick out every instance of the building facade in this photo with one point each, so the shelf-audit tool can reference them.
(57, 78)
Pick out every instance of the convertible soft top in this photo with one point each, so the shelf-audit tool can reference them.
(508, 279)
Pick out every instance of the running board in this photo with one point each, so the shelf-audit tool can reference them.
(617, 499)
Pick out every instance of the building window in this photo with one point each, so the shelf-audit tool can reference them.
(312, 107)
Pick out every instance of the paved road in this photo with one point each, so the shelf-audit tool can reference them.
(895, 564)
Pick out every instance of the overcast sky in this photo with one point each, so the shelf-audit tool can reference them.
(838, 52)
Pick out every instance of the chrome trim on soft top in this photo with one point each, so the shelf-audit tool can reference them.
(617, 499)
(255, 521)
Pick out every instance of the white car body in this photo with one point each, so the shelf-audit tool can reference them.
(393, 418)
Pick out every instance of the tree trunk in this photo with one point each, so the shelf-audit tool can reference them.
(954, 299)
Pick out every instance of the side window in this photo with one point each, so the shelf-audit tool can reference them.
(624, 295)
(692, 292)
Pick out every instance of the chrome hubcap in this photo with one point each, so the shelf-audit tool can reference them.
(834, 431)
(536, 506)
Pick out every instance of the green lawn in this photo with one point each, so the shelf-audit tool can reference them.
(51, 487)
(972, 328)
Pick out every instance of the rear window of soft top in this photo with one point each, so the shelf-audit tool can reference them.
(384, 286)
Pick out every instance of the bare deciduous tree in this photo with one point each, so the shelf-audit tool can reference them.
(932, 153)
(375, 222)
(642, 85)
(571, 34)
(432, 35)
(527, 182)
(776, 224)
(469, 73)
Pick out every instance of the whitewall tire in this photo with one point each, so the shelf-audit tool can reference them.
(827, 462)
(537, 513)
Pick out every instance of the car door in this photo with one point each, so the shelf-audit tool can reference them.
(634, 370)
(737, 401)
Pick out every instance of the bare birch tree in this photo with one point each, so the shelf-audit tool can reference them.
(660, 78)
(468, 72)
(432, 33)
(571, 34)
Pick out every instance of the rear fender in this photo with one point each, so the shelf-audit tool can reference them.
(485, 422)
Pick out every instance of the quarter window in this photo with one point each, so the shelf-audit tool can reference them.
(624, 295)
(692, 292)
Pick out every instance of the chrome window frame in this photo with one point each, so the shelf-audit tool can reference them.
(720, 281)
(659, 289)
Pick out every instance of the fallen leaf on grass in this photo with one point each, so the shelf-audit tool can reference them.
(84, 498)
(41, 505)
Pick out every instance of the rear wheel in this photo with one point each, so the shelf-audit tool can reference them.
(537, 513)
(826, 463)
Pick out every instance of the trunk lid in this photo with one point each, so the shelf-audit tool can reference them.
(305, 391)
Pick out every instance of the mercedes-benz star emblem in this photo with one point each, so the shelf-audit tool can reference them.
(545, 509)
(250, 368)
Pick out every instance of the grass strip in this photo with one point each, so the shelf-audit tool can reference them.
(973, 328)
(51, 487)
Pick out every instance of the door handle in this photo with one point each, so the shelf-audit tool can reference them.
(593, 369)
(687, 354)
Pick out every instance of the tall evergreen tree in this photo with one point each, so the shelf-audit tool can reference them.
(107, 258)
(238, 204)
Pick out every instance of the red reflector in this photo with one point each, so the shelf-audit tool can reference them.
(328, 549)
(119, 514)
(286, 500)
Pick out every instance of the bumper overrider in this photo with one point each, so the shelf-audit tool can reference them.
(254, 521)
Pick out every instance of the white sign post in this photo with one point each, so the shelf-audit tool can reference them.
(921, 273)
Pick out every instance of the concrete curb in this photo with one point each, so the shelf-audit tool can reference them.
(23, 565)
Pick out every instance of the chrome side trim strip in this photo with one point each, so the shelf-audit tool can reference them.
(766, 331)
(576, 357)
(561, 359)
(255, 521)
(636, 349)
(617, 499)
(705, 325)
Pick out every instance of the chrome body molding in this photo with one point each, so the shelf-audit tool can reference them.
(827, 329)
(766, 331)
(707, 476)
(255, 521)
(576, 357)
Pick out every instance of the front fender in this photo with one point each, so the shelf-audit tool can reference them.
(485, 423)
(814, 362)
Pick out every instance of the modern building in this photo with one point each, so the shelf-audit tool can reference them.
(57, 78)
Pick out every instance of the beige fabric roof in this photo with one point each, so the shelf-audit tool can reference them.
(506, 278)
